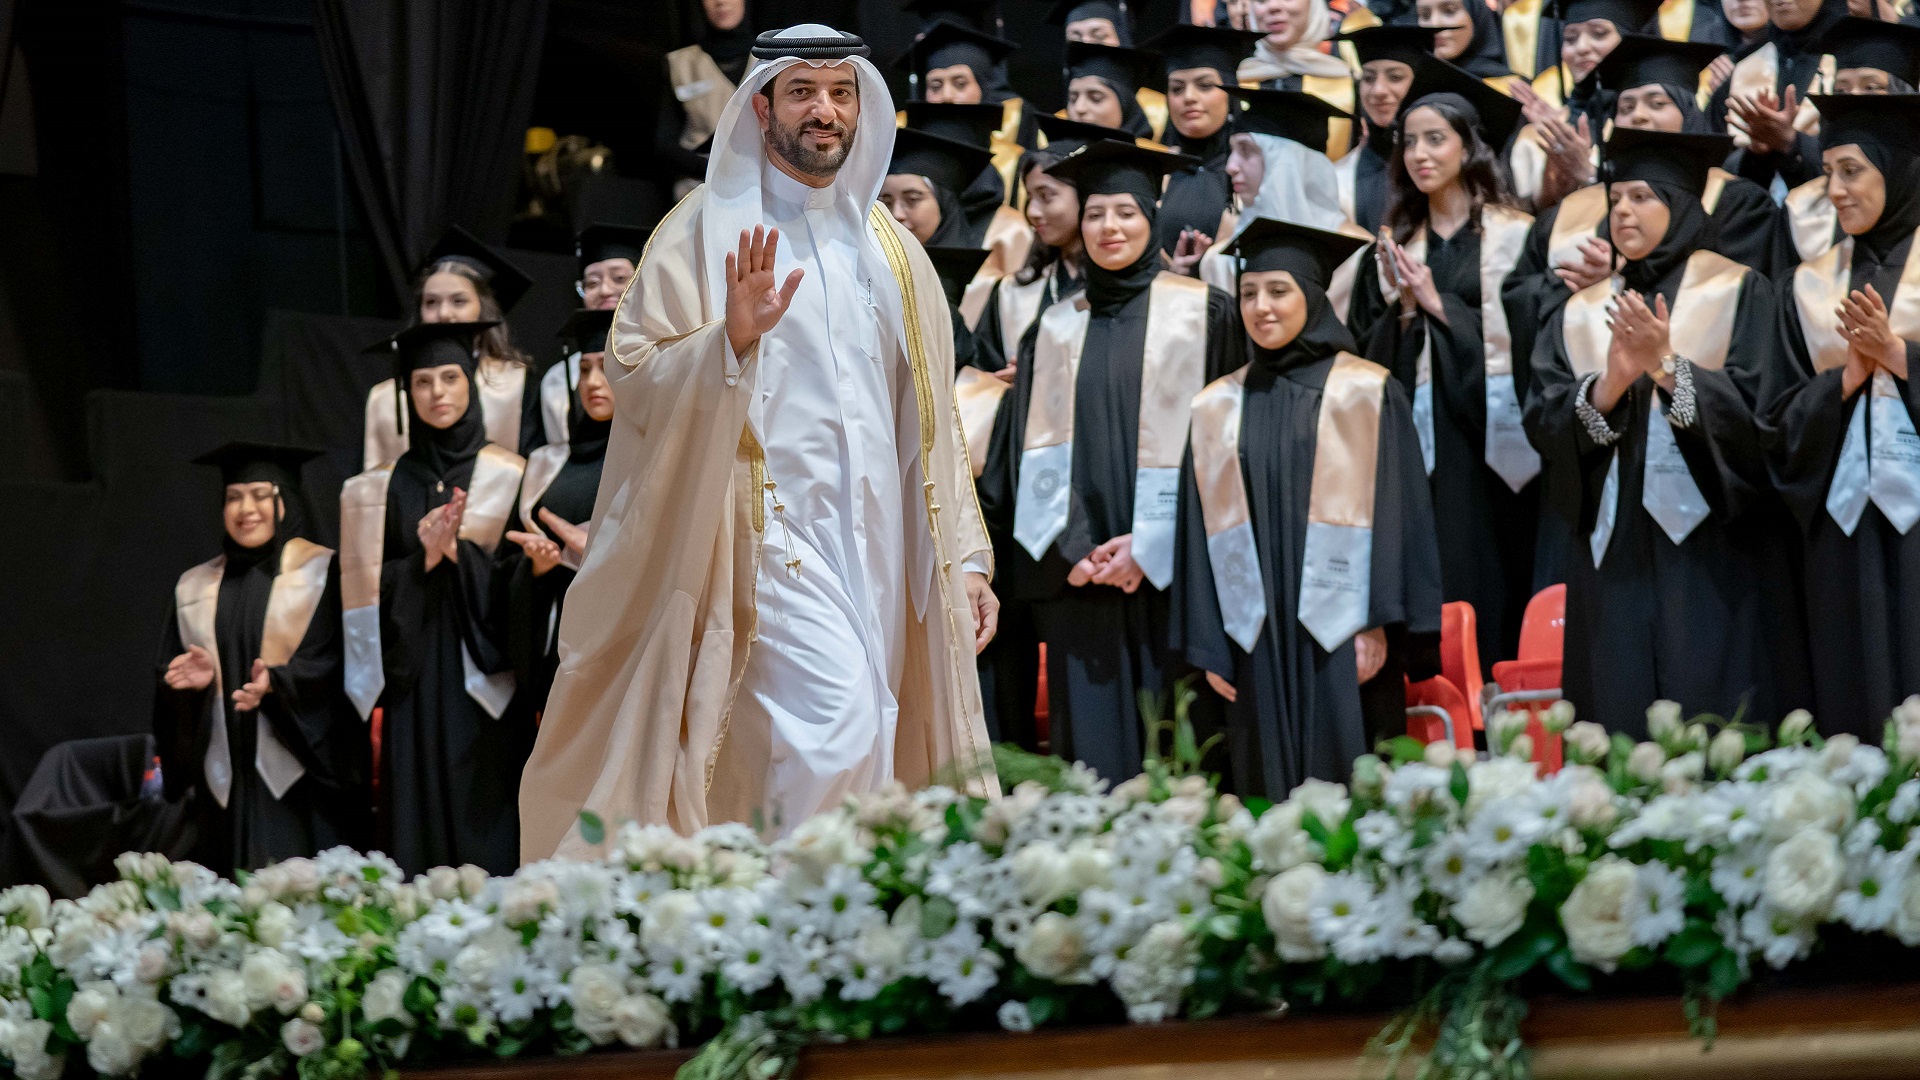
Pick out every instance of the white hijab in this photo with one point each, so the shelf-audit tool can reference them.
(1300, 186)
(1304, 58)
(739, 156)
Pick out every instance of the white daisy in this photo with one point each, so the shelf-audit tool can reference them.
(750, 968)
(1779, 939)
(1871, 897)
(1658, 909)
(1739, 874)
(1340, 907)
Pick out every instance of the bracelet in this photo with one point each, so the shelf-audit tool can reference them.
(1685, 406)
(1591, 418)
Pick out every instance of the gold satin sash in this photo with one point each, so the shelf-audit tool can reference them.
(1811, 218)
(1503, 235)
(1154, 104)
(1520, 29)
(1006, 147)
(1172, 370)
(1216, 453)
(490, 492)
(542, 466)
(363, 530)
(501, 384)
(1008, 240)
(1346, 444)
(1337, 92)
(1699, 324)
(703, 91)
(977, 395)
(294, 599)
(1821, 285)
(1676, 19)
(1019, 306)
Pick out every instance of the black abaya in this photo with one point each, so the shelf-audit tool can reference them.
(534, 602)
(1486, 528)
(1300, 710)
(1104, 647)
(1196, 198)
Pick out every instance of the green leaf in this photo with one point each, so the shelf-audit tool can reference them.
(1724, 975)
(592, 829)
(1569, 971)
(937, 916)
(1402, 749)
(1341, 845)
(1693, 946)
(1458, 786)
(42, 1001)
(1517, 955)
(421, 996)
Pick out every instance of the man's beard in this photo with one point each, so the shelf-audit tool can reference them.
(791, 144)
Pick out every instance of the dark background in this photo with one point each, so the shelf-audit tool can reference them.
(209, 207)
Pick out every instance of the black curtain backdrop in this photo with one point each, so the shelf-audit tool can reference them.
(432, 98)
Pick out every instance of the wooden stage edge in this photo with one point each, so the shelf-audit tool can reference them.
(1813, 1034)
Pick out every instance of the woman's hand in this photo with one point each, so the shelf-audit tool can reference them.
(1007, 374)
(1766, 120)
(1719, 72)
(543, 553)
(1416, 283)
(1642, 332)
(1222, 687)
(1117, 567)
(257, 686)
(1370, 652)
(572, 538)
(1187, 251)
(439, 530)
(191, 670)
(1870, 336)
(1593, 265)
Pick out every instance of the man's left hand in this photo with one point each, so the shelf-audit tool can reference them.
(986, 610)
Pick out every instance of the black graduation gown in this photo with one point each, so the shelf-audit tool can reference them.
(1711, 623)
(1196, 198)
(989, 349)
(534, 602)
(1104, 646)
(325, 807)
(1862, 591)
(450, 774)
(1486, 528)
(1370, 186)
(1300, 710)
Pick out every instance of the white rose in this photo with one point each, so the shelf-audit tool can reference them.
(1678, 776)
(1506, 726)
(109, 1053)
(1053, 948)
(473, 880)
(90, 1008)
(1323, 800)
(27, 1049)
(595, 989)
(443, 882)
(273, 924)
(1838, 752)
(1906, 921)
(151, 963)
(1369, 780)
(1586, 742)
(1440, 754)
(25, 905)
(1726, 751)
(642, 1020)
(147, 1023)
(1589, 799)
(272, 981)
(302, 1038)
(302, 877)
(1696, 737)
(313, 1013)
(1287, 906)
(226, 998)
(200, 929)
(1520, 749)
(1804, 801)
(1191, 787)
(1278, 841)
(1089, 866)
(1794, 727)
(1040, 871)
(1643, 764)
(128, 865)
(408, 902)
(386, 998)
(1664, 721)
(1595, 915)
(1497, 781)
(1493, 907)
(1132, 791)
(669, 918)
(1186, 809)
(1804, 874)
(526, 900)
(1558, 718)
(822, 842)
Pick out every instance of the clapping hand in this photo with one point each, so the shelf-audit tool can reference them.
(1766, 120)
(191, 670)
(439, 530)
(1370, 653)
(257, 686)
(1871, 342)
(1591, 266)
(1415, 281)
(1639, 343)
(1188, 249)
(543, 553)
(754, 305)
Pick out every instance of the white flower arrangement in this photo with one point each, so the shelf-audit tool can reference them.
(1707, 851)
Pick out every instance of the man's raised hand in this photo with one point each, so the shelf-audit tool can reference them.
(754, 305)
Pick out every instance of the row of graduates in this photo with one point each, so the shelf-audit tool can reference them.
(438, 613)
(1762, 572)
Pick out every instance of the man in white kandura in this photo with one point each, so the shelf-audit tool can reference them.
(787, 580)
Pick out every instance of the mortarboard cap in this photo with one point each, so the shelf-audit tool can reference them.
(945, 163)
(1495, 115)
(1189, 48)
(1642, 59)
(599, 242)
(947, 43)
(1064, 135)
(1407, 44)
(1286, 114)
(1627, 16)
(1671, 158)
(1882, 120)
(585, 331)
(1268, 244)
(1110, 167)
(508, 282)
(1893, 48)
(970, 124)
(1130, 69)
(252, 462)
(956, 266)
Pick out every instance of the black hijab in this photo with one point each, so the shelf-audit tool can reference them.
(441, 452)
(731, 50)
(1109, 290)
(955, 229)
(1322, 336)
(1902, 214)
(1688, 230)
(1486, 54)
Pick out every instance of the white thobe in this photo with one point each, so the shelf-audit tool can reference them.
(825, 667)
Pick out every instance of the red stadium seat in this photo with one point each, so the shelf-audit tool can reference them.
(1545, 624)
(1533, 681)
(1460, 657)
(1436, 710)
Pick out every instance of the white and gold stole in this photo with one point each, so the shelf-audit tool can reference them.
(1008, 240)
(1880, 456)
(363, 538)
(1812, 219)
(295, 595)
(1173, 369)
(1503, 235)
(1759, 72)
(1337, 569)
(1700, 328)
(499, 383)
(1582, 212)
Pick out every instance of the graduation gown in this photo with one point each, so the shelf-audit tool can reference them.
(1300, 710)
(1785, 59)
(309, 736)
(1862, 590)
(1196, 198)
(1486, 529)
(1104, 647)
(564, 479)
(1710, 622)
(449, 764)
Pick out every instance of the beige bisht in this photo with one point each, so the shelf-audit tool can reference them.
(659, 622)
